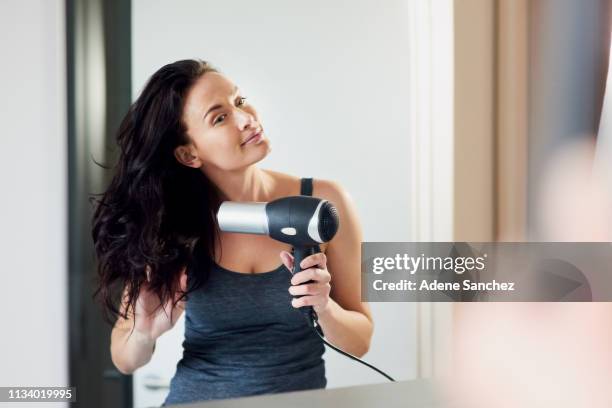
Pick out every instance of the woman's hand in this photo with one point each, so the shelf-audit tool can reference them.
(151, 319)
(316, 293)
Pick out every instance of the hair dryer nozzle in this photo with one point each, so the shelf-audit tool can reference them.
(246, 218)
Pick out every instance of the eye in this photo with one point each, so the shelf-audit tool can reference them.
(219, 119)
(241, 101)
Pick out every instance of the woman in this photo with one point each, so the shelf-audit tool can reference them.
(189, 142)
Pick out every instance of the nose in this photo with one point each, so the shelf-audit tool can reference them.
(245, 119)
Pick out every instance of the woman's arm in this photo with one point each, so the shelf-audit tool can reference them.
(130, 349)
(345, 320)
(133, 343)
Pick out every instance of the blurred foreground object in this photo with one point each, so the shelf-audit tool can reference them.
(543, 354)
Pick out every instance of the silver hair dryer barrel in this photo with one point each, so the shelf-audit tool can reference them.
(246, 218)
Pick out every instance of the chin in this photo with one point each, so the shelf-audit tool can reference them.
(264, 149)
(261, 153)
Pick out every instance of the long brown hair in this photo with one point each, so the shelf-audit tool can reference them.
(156, 212)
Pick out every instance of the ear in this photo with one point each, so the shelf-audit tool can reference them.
(187, 156)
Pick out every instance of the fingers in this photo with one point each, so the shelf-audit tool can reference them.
(182, 290)
(174, 306)
(310, 289)
(315, 274)
(287, 259)
(315, 295)
(177, 311)
(318, 259)
(172, 312)
(183, 280)
(181, 305)
(316, 301)
(313, 287)
(178, 308)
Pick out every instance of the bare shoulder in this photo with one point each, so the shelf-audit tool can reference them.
(288, 184)
(332, 191)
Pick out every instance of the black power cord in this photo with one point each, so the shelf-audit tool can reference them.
(313, 321)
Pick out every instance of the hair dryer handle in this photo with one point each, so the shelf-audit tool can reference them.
(299, 254)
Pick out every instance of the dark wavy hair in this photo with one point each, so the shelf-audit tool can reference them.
(156, 213)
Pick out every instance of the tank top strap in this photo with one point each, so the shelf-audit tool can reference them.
(306, 188)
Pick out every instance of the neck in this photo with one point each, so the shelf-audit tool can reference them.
(249, 184)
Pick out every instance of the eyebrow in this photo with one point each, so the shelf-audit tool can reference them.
(218, 106)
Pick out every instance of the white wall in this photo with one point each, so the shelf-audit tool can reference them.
(330, 81)
(33, 300)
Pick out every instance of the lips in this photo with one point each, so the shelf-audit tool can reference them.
(251, 136)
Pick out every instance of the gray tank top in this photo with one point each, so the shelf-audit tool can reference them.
(243, 337)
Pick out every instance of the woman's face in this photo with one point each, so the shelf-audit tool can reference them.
(224, 130)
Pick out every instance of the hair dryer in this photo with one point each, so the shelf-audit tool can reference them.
(302, 221)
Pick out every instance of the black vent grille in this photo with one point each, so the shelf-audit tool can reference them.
(329, 221)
